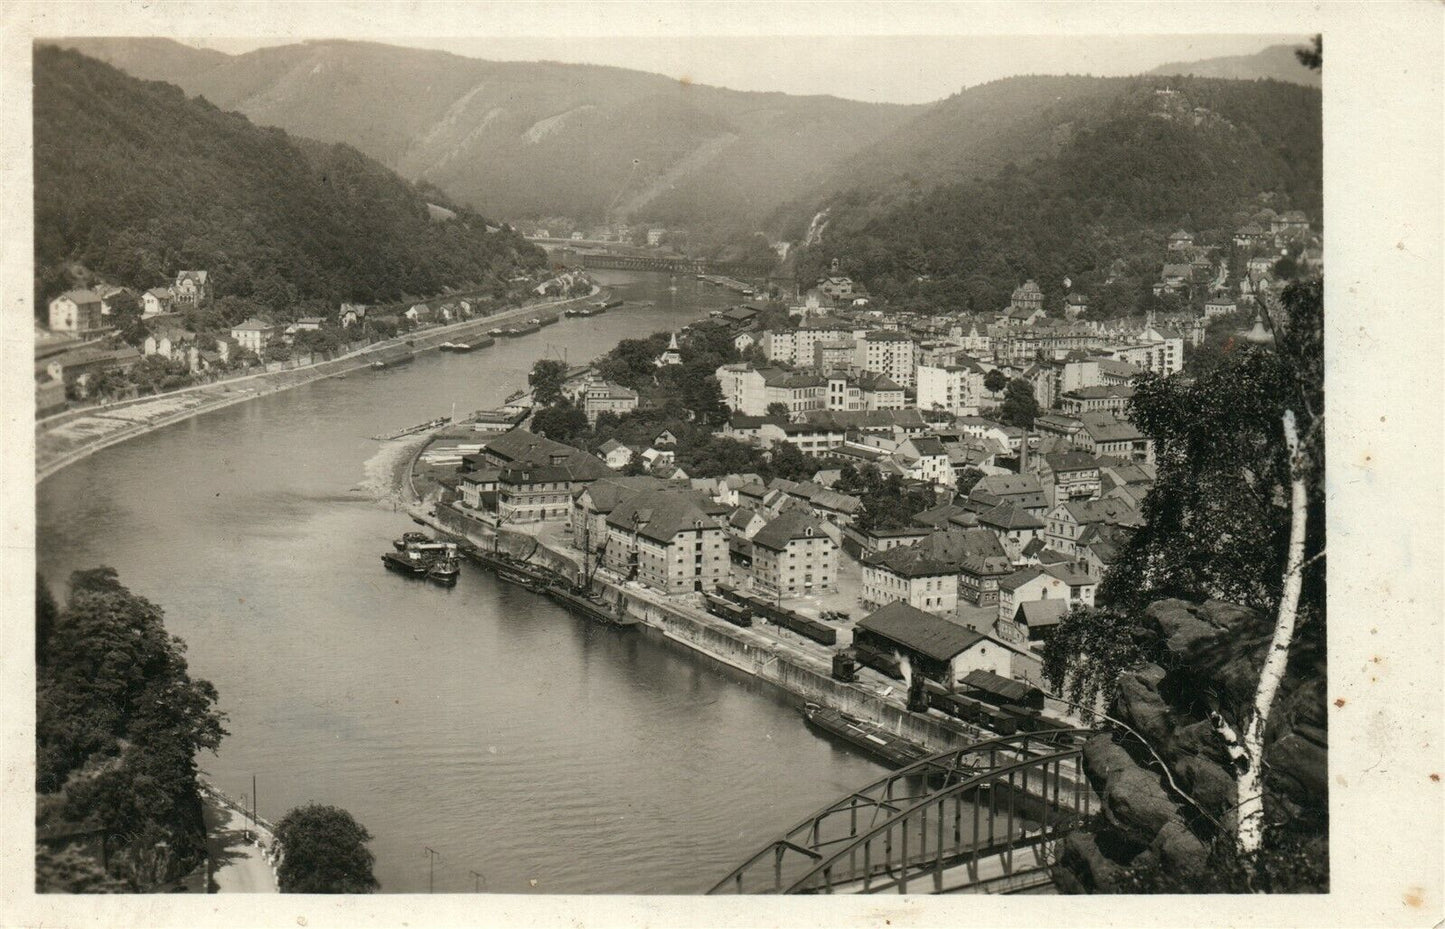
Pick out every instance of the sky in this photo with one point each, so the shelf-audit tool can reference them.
(876, 68)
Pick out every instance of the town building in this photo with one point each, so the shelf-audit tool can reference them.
(600, 397)
(793, 556)
(1071, 475)
(1067, 522)
(956, 388)
(1105, 433)
(672, 541)
(76, 311)
(156, 301)
(889, 353)
(253, 335)
(192, 288)
(1114, 398)
(935, 648)
(1055, 582)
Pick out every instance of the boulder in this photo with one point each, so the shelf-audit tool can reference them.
(1137, 806)
(1137, 702)
(1083, 867)
(1179, 850)
(1210, 784)
(1184, 625)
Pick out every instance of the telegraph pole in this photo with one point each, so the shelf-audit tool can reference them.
(477, 881)
(254, 806)
(432, 856)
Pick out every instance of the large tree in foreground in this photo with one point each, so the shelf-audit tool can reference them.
(1237, 514)
(324, 852)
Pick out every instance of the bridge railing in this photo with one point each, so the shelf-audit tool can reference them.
(1005, 819)
(782, 863)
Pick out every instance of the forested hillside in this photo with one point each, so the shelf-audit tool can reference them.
(133, 181)
(535, 139)
(1158, 155)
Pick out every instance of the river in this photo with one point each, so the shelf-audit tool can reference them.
(483, 722)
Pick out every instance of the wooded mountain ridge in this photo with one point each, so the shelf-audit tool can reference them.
(1093, 200)
(539, 139)
(133, 182)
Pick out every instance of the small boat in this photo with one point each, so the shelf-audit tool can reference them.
(460, 347)
(497, 333)
(875, 740)
(444, 571)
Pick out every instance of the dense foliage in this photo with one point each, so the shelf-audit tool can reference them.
(888, 502)
(119, 722)
(1217, 519)
(1135, 167)
(134, 182)
(324, 852)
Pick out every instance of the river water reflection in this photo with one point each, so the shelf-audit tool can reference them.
(482, 721)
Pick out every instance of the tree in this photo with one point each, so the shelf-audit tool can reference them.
(114, 700)
(995, 381)
(777, 411)
(1312, 58)
(560, 423)
(546, 380)
(966, 481)
(1020, 406)
(323, 851)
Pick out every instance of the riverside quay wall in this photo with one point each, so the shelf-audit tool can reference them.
(802, 675)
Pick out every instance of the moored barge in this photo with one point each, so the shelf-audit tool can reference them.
(875, 740)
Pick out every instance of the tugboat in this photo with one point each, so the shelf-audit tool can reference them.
(444, 571)
(408, 539)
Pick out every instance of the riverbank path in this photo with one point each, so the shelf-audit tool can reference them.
(238, 865)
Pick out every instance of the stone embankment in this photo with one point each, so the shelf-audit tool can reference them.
(1211, 661)
(793, 669)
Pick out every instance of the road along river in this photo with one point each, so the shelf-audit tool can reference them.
(484, 722)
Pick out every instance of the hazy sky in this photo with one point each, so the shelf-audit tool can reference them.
(892, 69)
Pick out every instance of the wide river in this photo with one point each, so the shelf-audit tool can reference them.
(483, 722)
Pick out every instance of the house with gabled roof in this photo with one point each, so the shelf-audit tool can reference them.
(793, 556)
(1023, 491)
(1054, 582)
(1066, 522)
(192, 288)
(614, 454)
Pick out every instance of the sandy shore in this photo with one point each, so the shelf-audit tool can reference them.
(64, 440)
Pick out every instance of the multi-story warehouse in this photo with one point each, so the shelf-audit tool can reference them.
(672, 541)
(793, 556)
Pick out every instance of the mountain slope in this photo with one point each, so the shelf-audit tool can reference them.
(1278, 62)
(540, 138)
(1157, 155)
(135, 182)
(968, 136)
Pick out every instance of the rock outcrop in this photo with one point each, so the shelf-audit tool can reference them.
(1210, 660)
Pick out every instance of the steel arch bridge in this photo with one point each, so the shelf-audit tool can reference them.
(978, 819)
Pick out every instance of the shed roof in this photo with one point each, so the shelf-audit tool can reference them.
(920, 632)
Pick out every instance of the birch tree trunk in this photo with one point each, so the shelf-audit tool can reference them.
(1249, 782)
